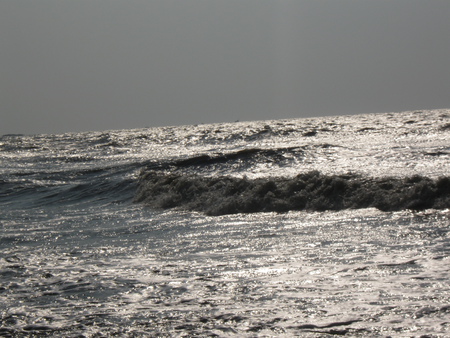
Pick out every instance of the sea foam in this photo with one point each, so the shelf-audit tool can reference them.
(310, 191)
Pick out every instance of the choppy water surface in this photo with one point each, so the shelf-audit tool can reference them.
(79, 258)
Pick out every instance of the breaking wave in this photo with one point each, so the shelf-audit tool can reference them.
(311, 191)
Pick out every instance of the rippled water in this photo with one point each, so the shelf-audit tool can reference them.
(79, 258)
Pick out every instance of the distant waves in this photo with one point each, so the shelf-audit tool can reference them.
(311, 191)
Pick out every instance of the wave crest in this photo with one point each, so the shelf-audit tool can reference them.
(308, 191)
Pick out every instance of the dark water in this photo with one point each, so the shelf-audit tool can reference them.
(313, 227)
(309, 191)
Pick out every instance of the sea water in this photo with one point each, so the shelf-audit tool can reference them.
(97, 240)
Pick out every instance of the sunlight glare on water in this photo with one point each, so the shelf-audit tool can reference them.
(80, 259)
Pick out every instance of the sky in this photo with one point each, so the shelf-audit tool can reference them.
(68, 66)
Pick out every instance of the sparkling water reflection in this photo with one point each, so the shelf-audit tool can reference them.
(79, 259)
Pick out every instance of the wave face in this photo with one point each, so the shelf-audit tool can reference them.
(310, 191)
(380, 161)
(40, 170)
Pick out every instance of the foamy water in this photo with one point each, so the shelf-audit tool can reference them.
(79, 258)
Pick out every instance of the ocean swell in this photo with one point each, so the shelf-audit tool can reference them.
(311, 191)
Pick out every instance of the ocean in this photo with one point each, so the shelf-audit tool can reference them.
(307, 227)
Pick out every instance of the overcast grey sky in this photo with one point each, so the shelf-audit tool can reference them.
(113, 64)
